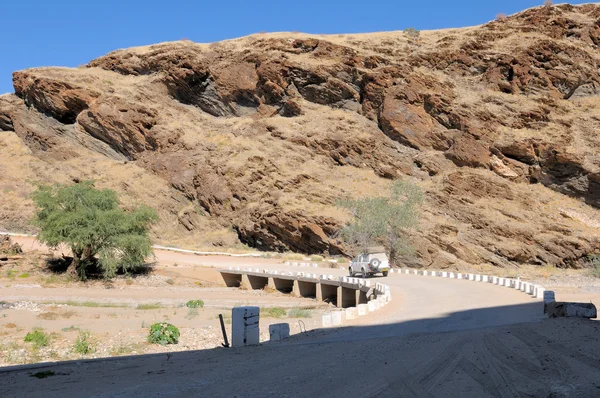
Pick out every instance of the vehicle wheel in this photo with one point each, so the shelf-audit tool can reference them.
(385, 273)
(350, 272)
(375, 263)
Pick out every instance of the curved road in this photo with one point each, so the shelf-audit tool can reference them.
(438, 338)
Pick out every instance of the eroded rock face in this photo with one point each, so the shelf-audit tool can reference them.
(262, 134)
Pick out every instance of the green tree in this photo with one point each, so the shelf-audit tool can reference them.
(92, 224)
(383, 220)
(413, 34)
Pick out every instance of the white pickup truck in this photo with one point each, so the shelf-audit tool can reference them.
(369, 263)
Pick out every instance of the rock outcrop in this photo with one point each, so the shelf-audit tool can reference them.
(252, 140)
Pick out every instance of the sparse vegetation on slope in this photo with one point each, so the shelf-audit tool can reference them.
(250, 141)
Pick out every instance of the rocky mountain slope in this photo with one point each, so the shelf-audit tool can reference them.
(252, 140)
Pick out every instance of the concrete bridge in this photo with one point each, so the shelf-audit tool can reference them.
(358, 296)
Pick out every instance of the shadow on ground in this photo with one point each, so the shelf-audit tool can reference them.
(464, 354)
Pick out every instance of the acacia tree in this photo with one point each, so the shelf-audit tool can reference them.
(92, 224)
(383, 220)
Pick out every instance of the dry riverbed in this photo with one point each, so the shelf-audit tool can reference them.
(68, 319)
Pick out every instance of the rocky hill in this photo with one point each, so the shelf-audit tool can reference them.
(252, 140)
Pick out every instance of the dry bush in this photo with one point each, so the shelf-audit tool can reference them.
(548, 3)
(48, 316)
(501, 16)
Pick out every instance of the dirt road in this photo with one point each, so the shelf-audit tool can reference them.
(553, 358)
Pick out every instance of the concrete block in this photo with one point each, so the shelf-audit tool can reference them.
(549, 296)
(451, 275)
(507, 282)
(524, 286)
(406, 270)
(245, 326)
(371, 306)
(279, 331)
(500, 281)
(326, 320)
(485, 278)
(336, 318)
(517, 284)
(539, 292)
(350, 313)
(444, 274)
(362, 309)
(567, 309)
(531, 289)
(433, 273)
(287, 263)
(459, 276)
(477, 278)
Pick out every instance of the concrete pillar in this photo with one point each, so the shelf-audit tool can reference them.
(245, 326)
(245, 282)
(319, 292)
(371, 306)
(279, 331)
(340, 297)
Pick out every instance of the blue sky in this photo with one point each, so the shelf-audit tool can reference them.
(70, 33)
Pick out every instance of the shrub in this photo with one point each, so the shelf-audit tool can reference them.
(37, 338)
(413, 34)
(594, 262)
(83, 343)
(298, 312)
(386, 219)
(163, 333)
(316, 258)
(152, 306)
(195, 304)
(273, 312)
(170, 281)
(94, 226)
